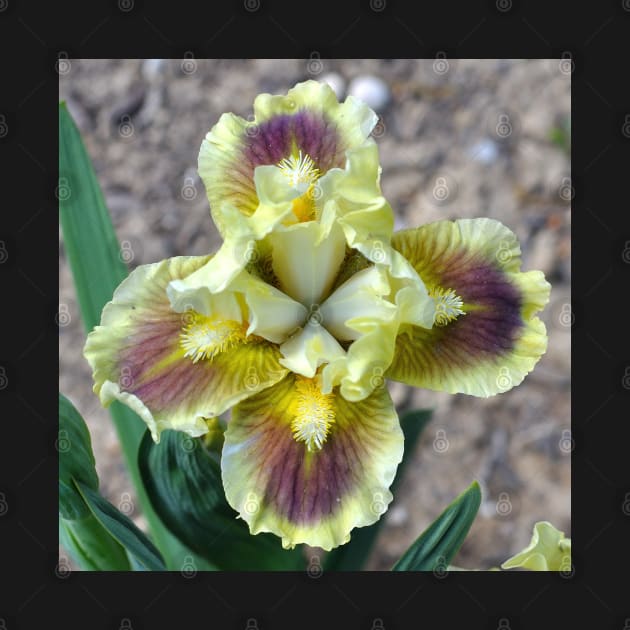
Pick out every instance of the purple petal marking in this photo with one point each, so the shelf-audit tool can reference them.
(493, 329)
(307, 487)
(310, 131)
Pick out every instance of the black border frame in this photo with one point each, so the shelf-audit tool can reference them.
(37, 591)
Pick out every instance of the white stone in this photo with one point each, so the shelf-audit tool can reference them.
(484, 151)
(372, 90)
(336, 82)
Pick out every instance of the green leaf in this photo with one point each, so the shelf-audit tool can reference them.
(353, 555)
(91, 546)
(184, 483)
(122, 529)
(438, 544)
(76, 460)
(94, 256)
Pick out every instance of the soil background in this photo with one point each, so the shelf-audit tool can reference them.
(491, 134)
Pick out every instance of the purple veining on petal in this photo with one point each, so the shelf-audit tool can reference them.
(309, 130)
(492, 327)
(307, 487)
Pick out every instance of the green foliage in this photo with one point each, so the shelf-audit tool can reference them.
(184, 483)
(76, 460)
(434, 549)
(97, 267)
(93, 530)
(122, 529)
(91, 546)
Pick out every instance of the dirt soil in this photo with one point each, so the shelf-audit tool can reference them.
(493, 132)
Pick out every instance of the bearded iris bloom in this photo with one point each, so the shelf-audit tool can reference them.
(309, 305)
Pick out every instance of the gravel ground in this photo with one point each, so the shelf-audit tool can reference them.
(465, 138)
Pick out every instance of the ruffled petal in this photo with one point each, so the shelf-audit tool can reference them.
(548, 550)
(471, 265)
(175, 369)
(310, 467)
(308, 119)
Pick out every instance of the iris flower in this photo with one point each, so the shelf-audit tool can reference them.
(311, 303)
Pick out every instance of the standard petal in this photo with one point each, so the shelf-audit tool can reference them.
(307, 119)
(311, 495)
(471, 266)
(157, 361)
(306, 260)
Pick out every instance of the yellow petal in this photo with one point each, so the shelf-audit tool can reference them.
(313, 491)
(175, 369)
(471, 266)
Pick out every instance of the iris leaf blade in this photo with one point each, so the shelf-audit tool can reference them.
(437, 545)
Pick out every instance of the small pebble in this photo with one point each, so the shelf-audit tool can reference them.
(373, 91)
(151, 68)
(484, 151)
(336, 82)
(398, 516)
